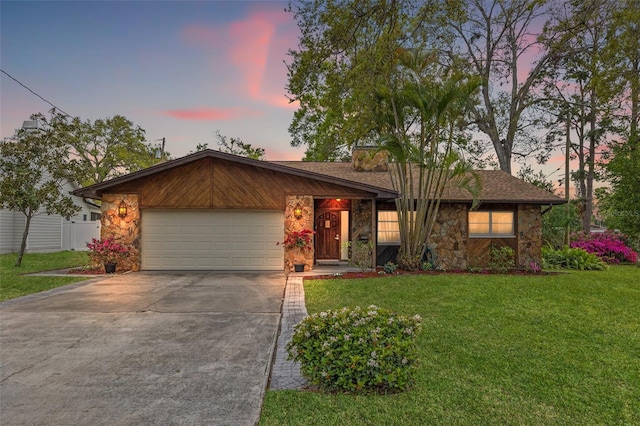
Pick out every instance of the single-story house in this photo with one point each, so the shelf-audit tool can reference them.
(50, 233)
(216, 211)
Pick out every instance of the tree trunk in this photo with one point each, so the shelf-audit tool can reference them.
(25, 234)
(504, 159)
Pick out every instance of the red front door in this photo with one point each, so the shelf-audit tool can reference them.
(328, 235)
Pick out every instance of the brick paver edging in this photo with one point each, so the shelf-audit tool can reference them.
(286, 374)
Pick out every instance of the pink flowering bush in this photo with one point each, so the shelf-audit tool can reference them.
(107, 251)
(608, 246)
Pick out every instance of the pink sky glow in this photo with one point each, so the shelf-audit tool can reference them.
(211, 114)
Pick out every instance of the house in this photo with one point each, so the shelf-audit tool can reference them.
(49, 233)
(216, 211)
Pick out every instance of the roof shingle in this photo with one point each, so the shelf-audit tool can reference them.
(497, 186)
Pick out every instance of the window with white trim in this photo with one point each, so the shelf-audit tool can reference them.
(491, 224)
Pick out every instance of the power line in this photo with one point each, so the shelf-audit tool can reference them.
(16, 80)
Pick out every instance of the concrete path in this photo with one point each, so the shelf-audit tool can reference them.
(143, 349)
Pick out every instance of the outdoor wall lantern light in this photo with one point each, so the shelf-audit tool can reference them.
(297, 212)
(122, 209)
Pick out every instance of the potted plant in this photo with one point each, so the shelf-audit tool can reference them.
(106, 252)
(300, 241)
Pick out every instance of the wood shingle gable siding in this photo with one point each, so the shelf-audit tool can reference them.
(212, 179)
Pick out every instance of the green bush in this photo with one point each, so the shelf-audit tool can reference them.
(571, 258)
(390, 268)
(357, 350)
(502, 259)
(427, 266)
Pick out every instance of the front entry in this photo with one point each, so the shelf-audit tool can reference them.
(327, 234)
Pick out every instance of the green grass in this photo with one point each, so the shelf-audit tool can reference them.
(535, 350)
(14, 283)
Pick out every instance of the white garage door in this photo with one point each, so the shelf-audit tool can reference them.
(222, 240)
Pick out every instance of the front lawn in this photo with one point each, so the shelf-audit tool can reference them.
(550, 349)
(13, 282)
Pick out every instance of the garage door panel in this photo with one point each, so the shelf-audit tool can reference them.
(211, 240)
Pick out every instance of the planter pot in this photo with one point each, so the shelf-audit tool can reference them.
(299, 267)
(109, 268)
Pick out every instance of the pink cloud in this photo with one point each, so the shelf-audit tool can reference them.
(209, 114)
(254, 48)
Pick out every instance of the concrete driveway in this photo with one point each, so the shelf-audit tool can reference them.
(142, 348)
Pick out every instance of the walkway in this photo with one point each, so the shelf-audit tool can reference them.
(286, 374)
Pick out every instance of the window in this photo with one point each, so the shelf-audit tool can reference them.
(95, 216)
(489, 224)
(388, 228)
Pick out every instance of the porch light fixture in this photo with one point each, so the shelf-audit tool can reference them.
(122, 209)
(297, 212)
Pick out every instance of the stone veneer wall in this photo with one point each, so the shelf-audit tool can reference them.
(125, 231)
(291, 224)
(449, 236)
(529, 235)
(362, 223)
(369, 159)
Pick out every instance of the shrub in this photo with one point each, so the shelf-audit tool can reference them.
(390, 268)
(609, 246)
(571, 258)
(502, 259)
(357, 350)
(409, 262)
(427, 266)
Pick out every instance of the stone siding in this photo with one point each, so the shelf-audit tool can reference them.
(449, 237)
(125, 231)
(529, 236)
(362, 223)
(370, 159)
(291, 224)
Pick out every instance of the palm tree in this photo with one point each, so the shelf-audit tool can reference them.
(419, 119)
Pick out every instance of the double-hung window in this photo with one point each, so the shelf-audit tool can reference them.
(491, 224)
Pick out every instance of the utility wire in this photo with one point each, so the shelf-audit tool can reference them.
(14, 79)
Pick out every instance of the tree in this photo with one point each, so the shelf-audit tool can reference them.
(235, 146)
(620, 205)
(539, 179)
(583, 88)
(497, 38)
(420, 113)
(108, 148)
(347, 49)
(200, 147)
(34, 166)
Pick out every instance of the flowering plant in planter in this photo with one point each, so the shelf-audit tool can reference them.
(107, 251)
(302, 240)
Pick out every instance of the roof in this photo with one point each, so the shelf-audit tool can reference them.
(95, 191)
(497, 186)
